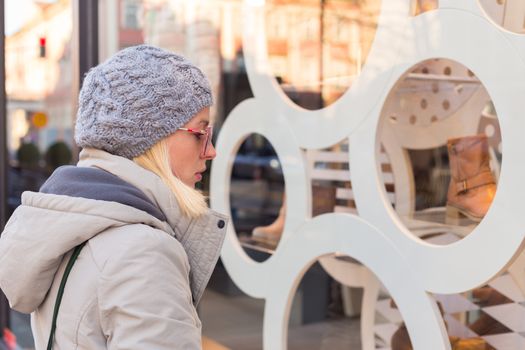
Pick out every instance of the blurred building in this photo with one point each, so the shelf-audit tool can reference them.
(39, 76)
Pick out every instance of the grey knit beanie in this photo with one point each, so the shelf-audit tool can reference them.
(137, 97)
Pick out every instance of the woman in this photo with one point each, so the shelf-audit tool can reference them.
(152, 243)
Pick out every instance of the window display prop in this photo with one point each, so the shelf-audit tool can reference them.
(415, 271)
(271, 233)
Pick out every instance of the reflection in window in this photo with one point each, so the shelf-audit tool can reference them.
(421, 6)
(257, 198)
(319, 47)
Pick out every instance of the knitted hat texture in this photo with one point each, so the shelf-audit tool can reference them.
(137, 97)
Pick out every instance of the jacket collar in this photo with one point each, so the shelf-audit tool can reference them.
(201, 238)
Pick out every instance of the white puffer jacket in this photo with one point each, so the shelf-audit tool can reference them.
(136, 282)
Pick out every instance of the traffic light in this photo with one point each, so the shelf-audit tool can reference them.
(42, 46)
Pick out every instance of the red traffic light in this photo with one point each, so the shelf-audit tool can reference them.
(42, 45)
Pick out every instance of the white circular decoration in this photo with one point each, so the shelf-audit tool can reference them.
(247, 118)
(408, 266)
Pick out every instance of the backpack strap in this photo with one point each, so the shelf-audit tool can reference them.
(69, 266)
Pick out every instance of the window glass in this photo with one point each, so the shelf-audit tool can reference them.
(317, 49)
(421, 6)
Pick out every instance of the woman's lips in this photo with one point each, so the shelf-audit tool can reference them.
(198, 176)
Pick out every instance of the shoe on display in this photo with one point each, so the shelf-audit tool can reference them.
(472, 183)
(271, 234)
(323, 201)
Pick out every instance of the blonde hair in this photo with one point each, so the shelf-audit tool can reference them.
(192, 202)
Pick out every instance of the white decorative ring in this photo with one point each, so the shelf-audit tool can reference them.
(247, 118)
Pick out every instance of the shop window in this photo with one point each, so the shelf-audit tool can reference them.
(441, 135)
(509, 14)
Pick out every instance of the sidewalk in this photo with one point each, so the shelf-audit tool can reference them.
(236, 323)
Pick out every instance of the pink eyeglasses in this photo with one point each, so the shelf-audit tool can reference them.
(204, 136)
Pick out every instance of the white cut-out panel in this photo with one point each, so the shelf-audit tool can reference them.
(407, 266)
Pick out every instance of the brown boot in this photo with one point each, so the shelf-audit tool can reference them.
(271, 234)
(472, 184)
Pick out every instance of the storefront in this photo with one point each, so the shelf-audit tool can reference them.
(360, 154)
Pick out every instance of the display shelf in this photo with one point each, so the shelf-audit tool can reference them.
(442, 77)
(434, 221)
(248, 242)
(425, 222)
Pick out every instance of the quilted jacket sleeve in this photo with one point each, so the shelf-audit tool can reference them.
(144, 296)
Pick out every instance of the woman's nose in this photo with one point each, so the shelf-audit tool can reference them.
(210, 152)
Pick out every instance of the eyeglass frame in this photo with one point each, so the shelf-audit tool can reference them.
(208, 132)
